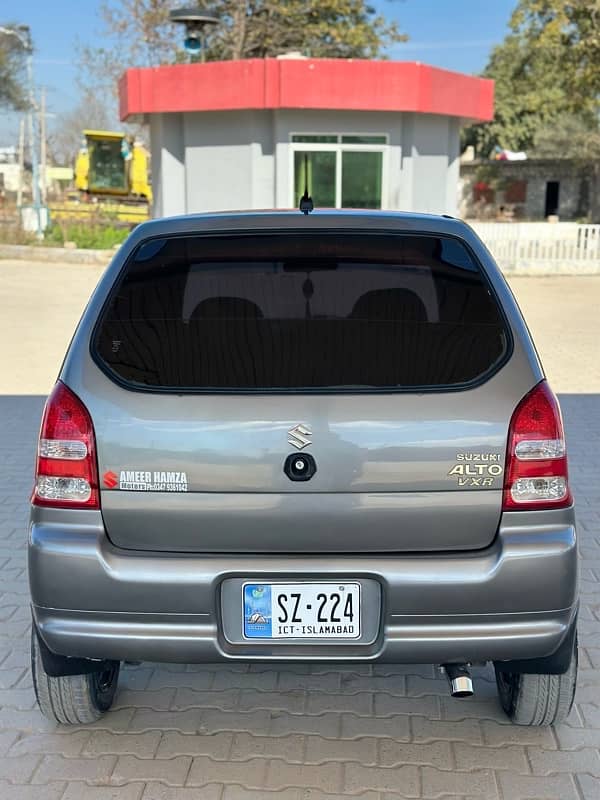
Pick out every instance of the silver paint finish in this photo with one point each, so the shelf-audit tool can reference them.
(459, 581)
(301, 522)
(94, 599)
(197, 639)
(73, 565)
(401, 445)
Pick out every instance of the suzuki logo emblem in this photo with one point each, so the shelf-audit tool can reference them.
(110, 479)
(299, 436)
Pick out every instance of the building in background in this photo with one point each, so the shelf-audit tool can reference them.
(251, 134)
(10, 171)
(535, 189)
(12, 176)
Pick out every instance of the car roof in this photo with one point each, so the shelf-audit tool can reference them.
(294, 220)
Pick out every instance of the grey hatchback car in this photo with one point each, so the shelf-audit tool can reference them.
(281, 437)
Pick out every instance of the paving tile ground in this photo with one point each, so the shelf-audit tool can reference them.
(320, 732)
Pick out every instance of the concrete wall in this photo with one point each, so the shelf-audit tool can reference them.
(241, 159)
(168, 164)
(568, 197)
(430, 161)
(9, 179)
(229, 160)
(574, 192)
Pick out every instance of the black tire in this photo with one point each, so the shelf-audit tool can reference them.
(538, 700)
(72, 699)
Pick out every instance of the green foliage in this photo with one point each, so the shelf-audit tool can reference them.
(93, 237)
(548, 67)
(572, 137)
(141, 34)
(568, 136)
(12, 72)
(317, 28)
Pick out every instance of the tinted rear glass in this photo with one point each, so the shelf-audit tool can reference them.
(305, 312)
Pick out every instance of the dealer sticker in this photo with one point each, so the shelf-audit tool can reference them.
(146, 481)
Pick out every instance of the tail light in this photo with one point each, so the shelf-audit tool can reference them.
(536, 475)
(66, 474)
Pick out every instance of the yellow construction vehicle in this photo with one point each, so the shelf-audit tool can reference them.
(113, 165)
(112, 176)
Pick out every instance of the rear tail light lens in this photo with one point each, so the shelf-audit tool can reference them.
(536, 474)
(66, 474)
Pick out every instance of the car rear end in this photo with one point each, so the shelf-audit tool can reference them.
(283, 437)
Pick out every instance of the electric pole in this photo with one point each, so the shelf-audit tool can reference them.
(21, 163)
(23, 34)
(43, 147)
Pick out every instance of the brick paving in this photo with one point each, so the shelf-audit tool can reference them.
(296, 732)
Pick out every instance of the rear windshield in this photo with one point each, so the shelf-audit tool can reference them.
(330, 312)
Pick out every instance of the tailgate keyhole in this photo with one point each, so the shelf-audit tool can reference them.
(300, 467)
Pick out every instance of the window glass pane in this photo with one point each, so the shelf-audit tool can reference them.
(322, 139)
(364, 140)
(107, 166)
(301, 311)
(361, 180)
(317, 170)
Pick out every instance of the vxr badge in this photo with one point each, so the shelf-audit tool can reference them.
(299, 436)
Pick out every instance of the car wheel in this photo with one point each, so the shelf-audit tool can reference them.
(72, 699)
(530, 699)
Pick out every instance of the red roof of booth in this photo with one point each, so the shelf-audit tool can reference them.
(318, 83)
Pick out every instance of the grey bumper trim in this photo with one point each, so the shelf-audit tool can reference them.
(125, 636)
(93, 600)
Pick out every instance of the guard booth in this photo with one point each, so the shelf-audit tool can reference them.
(251, 134)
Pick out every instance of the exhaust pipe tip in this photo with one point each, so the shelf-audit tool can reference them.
(461, 686)
(459, 678)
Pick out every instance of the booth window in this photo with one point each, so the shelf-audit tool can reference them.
(340, 170)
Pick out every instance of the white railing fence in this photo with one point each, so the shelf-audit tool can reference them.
(542, 247)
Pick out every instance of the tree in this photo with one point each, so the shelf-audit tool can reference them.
(574, 138)
(140, 33)
(547, 67)
(12, 67)
(66, 136)
(317, 28)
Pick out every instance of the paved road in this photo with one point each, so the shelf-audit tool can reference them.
(297, 732)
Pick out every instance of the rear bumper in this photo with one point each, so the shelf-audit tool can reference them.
(514, 600)
(197, 640)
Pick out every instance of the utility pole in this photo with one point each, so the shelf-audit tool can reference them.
(43, 148)
(21, 163)
(23, 34)
(35, 171)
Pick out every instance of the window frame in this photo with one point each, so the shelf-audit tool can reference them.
(132, 386)
(339, 148)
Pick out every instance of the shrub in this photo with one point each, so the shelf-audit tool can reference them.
(93, 237)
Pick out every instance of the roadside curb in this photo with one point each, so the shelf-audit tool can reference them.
(55, 254)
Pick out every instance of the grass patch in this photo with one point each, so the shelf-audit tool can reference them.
(88, 237)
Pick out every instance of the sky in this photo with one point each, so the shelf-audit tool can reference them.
(454, 34)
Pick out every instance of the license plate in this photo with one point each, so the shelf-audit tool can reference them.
(301, 610)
